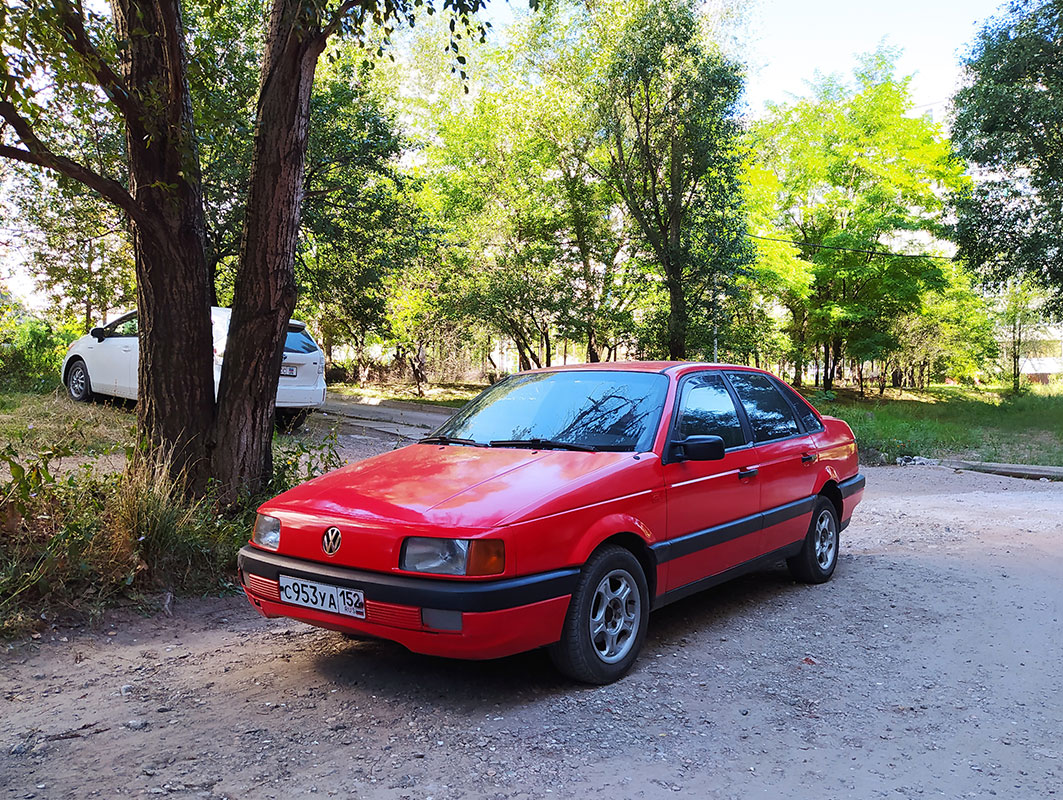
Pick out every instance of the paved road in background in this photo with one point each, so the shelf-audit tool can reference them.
(402, 420)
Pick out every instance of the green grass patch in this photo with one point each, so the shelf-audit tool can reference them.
(33, 422)
(981, 424)
(452, 395)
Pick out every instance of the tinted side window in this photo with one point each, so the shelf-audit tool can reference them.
(804, 411)
(706, 409)
(769, 414)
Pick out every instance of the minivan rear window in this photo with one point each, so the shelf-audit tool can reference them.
(299, 341)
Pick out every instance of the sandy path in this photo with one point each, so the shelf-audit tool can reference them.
(929, 667)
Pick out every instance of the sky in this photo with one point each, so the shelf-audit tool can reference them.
(792, 39)
(786, 41)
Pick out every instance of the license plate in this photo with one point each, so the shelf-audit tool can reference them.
(288, 371)
(337, 599)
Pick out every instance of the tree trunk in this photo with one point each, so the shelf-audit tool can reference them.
(828, 371)
(677, 318)
(175, 406)
(265, 282)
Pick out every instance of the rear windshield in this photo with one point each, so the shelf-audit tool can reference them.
(299, 341)
(603, 410)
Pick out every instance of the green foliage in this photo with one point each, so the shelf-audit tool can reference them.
(951, 421)
(74, 540)
(669, 131)
(31, 350)
(853, 175)
(1006, 122)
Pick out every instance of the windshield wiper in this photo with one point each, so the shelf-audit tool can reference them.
(542, 444)
(447, 440)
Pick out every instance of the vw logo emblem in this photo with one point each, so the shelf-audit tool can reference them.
(330, 542)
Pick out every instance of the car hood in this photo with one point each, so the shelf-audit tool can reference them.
(448, 485)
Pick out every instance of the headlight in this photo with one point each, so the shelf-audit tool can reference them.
(454, 556)
(267, 532)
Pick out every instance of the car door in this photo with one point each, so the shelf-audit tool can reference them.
(713, 506)
(786, 457)
(109, 360)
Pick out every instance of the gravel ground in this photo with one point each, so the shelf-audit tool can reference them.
(928, 667)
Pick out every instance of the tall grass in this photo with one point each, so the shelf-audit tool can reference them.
(76, 542)
(960, 422)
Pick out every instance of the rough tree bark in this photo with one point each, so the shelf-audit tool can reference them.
(265, 282)
(175, 382)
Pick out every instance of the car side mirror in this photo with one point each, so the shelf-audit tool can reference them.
(698, 448)
(99, 334)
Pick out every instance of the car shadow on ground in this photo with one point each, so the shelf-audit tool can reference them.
(388, 669)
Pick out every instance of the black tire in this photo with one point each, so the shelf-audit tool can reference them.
(588, 657)
(78, 385)
(289, 420)
(819, 554)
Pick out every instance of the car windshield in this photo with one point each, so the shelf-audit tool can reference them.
(578, 409)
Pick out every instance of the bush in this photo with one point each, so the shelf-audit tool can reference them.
(32, 352)
(74, 544)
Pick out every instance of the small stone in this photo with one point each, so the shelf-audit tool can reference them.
(20, 749)
(127, 689)
(136, 724)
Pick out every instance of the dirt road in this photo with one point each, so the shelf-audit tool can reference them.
(929, 666)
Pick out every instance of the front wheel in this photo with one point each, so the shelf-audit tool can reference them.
(77, 382)
(819, 554)
(606, 620)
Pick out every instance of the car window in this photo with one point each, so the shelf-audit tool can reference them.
(706, 409)
(804, 410)
(299, 341)
(769, 414)
(125, 327)
(601, 409)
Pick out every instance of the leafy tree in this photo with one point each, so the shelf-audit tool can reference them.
(859, 183)
(667, 106)
(1007, 119)
(1021, 319)
(78, 249)
(137, 60)
(361, 226)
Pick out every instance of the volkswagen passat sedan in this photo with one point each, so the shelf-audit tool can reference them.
(105, 361)
(558, 509)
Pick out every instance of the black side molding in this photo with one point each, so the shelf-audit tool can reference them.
(766, 560)
(851, 486)
(446, 594)
(699, 540)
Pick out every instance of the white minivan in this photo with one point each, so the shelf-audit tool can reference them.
(105, 362)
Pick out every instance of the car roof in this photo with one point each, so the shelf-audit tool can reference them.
(670, 367)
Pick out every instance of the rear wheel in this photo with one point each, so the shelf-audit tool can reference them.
(819, 554)
(606, 620)
(77, 382)
(289, 420)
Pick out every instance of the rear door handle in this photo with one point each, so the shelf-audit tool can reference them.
(748, 473)
(807, 458)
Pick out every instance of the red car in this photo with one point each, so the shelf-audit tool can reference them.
(558, 509)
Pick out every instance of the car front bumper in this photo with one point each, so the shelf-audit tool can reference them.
(497, 618)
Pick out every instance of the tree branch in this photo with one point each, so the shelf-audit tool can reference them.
(72, 29)
(38, 154)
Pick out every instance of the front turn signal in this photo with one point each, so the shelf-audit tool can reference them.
(486, 557)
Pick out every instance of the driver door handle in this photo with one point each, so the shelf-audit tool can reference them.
(751, 472)
(807, 458)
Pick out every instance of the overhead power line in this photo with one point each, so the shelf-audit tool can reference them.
(850, 249)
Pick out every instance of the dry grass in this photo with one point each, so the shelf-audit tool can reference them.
(34, 421)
